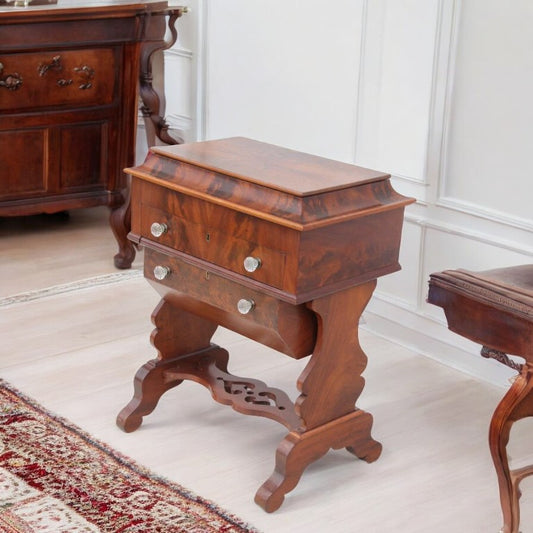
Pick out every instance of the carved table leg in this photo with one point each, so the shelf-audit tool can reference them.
(156, 125)
(178, 335)
(515, 405)
(330, 385)
(120, 222)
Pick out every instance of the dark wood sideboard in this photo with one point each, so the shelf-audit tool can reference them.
(70, 79)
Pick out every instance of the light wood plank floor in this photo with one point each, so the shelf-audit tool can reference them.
(74, 345)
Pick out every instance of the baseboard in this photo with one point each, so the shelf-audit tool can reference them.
(430, 338)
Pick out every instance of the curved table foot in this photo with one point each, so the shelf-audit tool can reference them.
(515, 405)
(150, 384)
(298, 450)
(120, 222)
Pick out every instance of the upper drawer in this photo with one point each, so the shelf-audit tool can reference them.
(218, 244)
(58, 78)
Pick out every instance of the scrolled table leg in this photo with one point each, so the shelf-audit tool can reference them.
(515, 405)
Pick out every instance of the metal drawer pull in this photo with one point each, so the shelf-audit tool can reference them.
(86, 75)
(54, 64)
(251, 264)
(11, 82)
(158, 228)
(244, 306)
(161, 272)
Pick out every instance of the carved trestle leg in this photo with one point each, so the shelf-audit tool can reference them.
(185, 352)
(178, 334)
(515, 405)
(330, 385)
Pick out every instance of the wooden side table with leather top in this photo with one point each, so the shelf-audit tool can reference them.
(282, 247)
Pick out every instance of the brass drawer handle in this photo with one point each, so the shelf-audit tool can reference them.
(86, 75)
(251, 264)
(161, 272)
(244, 306)
(11, 82)
(158, 228)
(55, 64)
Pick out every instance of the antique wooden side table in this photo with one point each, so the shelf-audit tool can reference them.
(494, 308)
(282, 247)
(70, 75)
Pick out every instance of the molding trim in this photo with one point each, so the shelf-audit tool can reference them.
(441, 78)
(179, 52)
(202, 72)
(441, 93)
(485, 212)
(360, 77)
(464, 232)
(179, 122)
(411, 179)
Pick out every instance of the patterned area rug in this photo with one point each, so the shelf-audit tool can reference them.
(55, 478)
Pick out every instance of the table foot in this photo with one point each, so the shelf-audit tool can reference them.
(150, 384)
(120, 222)
(298, 450)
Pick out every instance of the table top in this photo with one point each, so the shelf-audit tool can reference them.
(271, 166)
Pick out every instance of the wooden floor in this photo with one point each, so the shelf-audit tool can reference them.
(74, 330)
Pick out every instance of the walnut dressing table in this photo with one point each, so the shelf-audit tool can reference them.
(282, 247)
(69, 86)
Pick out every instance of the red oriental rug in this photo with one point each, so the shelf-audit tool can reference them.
(55, 478)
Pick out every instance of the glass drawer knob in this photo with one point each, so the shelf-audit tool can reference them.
(251, 264)
(158, 228)
(244, 306)
(161, 272)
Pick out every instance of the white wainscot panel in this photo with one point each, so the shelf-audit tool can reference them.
(402, 287)
(285, 72)
(178, 89)
(488, 156)
(396, 86)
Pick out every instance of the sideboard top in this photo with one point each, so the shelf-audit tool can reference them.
(271, 166)
(9, 9)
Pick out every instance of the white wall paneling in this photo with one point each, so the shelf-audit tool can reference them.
(285, 72)
(176, 74)
(395, 96)
(436, 92)
(490, 137)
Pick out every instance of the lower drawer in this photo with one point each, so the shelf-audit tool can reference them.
(290, 329)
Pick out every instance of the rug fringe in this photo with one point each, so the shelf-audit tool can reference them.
(97, 281)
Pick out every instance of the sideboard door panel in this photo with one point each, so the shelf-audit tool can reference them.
(83, 157)
(28, 176)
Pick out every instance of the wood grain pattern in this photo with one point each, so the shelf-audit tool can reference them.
(284, 170)
(302, 264)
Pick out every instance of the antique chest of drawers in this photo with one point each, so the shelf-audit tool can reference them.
(69, 88)
(282, 247)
